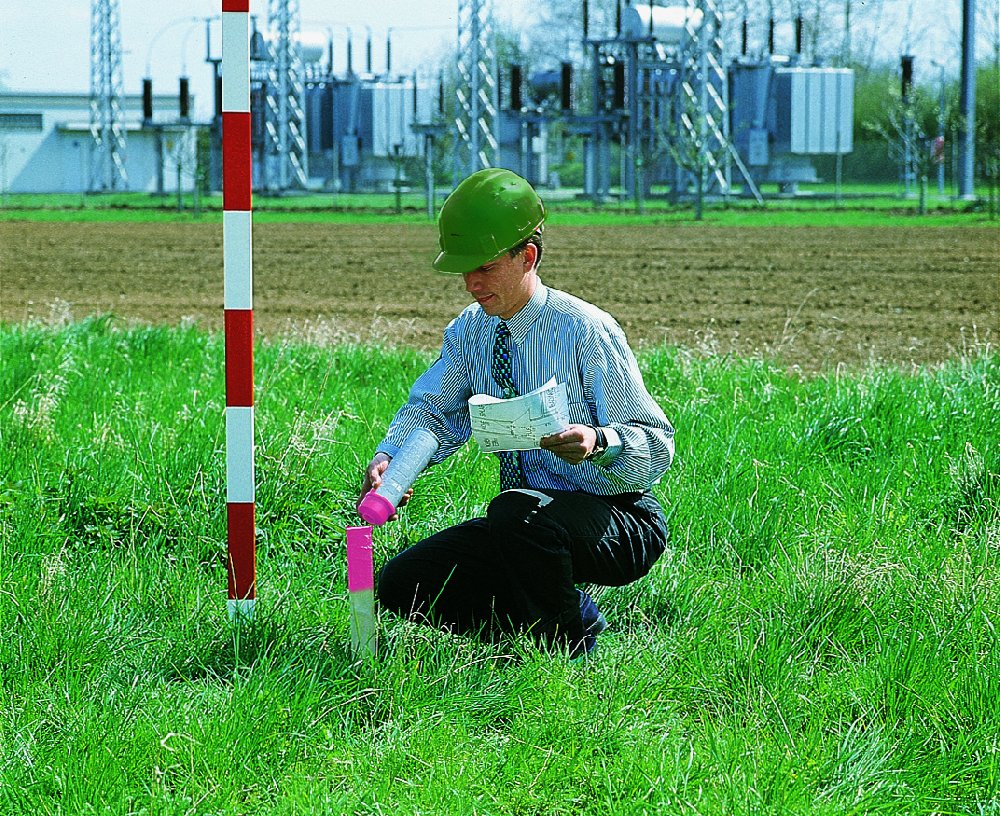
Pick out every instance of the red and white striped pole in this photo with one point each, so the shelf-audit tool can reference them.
(238, 261)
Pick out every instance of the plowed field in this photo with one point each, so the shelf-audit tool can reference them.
(810, 297)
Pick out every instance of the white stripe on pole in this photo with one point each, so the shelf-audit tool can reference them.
(241, 610)
(239, 454)
(235, 61)
(238, 259)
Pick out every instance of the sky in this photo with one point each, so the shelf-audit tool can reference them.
(44, 44)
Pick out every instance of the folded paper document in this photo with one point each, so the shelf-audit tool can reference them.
(520, 422)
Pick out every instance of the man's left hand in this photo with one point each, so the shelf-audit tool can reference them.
(571, 444)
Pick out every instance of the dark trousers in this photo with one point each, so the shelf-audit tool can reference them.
(516, 569)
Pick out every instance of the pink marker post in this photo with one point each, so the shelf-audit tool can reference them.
(361, 588)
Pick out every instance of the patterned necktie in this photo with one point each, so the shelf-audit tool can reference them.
(511, 474)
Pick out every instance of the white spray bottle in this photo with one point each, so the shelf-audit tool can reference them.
(380, 504)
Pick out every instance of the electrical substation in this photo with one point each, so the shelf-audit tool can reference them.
(671, 100)
(671, 104)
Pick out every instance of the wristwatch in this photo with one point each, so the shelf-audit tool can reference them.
(600, 445)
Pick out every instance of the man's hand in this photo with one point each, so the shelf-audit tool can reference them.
(571, 444)
(373, 478)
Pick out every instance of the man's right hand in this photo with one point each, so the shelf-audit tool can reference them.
(373, 478)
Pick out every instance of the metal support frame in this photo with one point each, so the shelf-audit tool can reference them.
(674, 125)
(286, 155)
(702, 115)
(476, 143)
(430, 131)
(107, 130)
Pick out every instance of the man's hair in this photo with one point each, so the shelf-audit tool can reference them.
(536, 239)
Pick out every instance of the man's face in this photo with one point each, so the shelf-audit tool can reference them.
(503, 286)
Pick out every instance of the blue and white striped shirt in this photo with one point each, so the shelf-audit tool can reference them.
(553, 335)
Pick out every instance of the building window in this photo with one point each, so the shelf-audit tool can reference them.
(21, 121)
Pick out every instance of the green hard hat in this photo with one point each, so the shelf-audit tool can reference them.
(489, 213)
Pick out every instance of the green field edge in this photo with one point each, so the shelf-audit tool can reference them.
(262, 341)
(859, 205)
(732, 218)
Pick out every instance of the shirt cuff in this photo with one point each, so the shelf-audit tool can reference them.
(614, 448)
(388, 448)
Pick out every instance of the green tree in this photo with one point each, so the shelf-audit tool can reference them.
(988, 129)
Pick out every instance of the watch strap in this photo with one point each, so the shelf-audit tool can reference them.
(600, 446)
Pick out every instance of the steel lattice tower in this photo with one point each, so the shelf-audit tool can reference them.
(107, 163)
(476, 145)
(703, 113)
(285, 118)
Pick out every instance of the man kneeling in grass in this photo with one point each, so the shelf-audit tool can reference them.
(576, 510)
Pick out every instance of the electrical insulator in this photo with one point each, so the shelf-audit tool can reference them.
(515, 88)
(185, 98)
(907, 65)
(619, 86)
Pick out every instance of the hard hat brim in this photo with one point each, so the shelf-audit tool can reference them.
(460, 264)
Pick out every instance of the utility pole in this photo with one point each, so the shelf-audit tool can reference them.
(939, 144)
(215, 163)
(967, 135)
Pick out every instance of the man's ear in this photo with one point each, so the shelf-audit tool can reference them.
(530, 256)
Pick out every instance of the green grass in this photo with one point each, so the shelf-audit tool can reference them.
(863, 205)
(820, 638)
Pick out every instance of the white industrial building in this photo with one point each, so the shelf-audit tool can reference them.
(46, 144)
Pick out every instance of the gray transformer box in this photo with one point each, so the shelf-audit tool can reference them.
(781, 114)
(355, 125)
(814, 111)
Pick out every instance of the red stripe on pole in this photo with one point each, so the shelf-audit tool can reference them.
(236, 161)
(237, 180)
(239, 357)
(242, 551)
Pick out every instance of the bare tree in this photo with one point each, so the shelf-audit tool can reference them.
(988, 91)
(988, 28)
(825, 25)
(908, 142)
(556, 34)
(820, 23)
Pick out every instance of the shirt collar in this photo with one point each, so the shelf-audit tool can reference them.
(521, 322)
